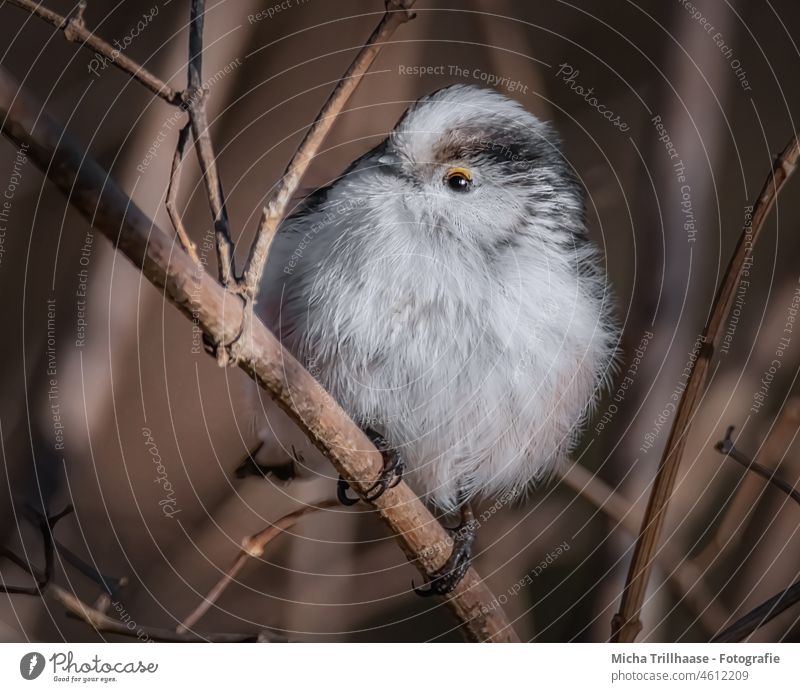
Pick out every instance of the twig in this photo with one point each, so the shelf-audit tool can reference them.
(194, 99)
(684, 574)
(94, 616)
(92, 192)
(110, 585)
(75, 30)
(172, 195)
(44, 577)
(103, 623)
(252, 546)
(727, 448)
(627, 624)
(734, 516)
(761, 615)
(397, 13)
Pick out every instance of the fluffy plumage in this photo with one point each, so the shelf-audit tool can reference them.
(470, 327)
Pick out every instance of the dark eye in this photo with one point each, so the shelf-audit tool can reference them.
(458, 179)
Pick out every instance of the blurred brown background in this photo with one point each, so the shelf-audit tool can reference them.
(727, 98)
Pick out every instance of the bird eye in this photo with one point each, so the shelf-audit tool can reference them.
(458, 179)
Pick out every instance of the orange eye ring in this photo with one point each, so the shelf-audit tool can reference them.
(458, 179)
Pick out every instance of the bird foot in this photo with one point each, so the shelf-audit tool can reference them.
(447, 577)
(391, 475)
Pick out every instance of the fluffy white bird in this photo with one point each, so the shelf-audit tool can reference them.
(444, 291)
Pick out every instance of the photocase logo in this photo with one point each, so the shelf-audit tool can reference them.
(31, 665)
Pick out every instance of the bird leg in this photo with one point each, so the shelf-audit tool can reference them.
(391, 475)
(446, 578)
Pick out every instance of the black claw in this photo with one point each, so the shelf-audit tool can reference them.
(445, 579)
(391, 475)
(342, 487)
(393, 467)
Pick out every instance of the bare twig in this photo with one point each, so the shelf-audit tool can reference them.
(252, 546)
(626, 624)
(172, 195)
(94, 616)
(75, 30)
(92, 192)
(42, 578)
(682, 572)
(110, 585)
(761, 615)
(727, 448)
(734, 516)
(397, 13)
(194, 99)
(100, 622)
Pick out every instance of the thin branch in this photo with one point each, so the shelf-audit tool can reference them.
(397, 13)
(92, 192)
(195, 98)
(684, 573)
(75, 30)
(727, 449)
(102, 623)
(252, 546)
(738, 509)
(94, 616)
(110, 585)
(761, 615)
(172, 195)
(42, 578)
(627, 624)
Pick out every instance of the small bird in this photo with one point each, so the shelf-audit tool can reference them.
(444, 291)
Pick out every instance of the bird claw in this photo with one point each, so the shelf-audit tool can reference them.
(342, 486)
(446, 578)
(391, 475)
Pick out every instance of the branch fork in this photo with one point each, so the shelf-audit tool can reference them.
(207, 302)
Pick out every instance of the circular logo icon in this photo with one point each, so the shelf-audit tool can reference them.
(31, 665)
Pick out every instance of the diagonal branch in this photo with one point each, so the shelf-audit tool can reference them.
(727, 448)
(686, 576)
(397, 13)
(99, 199)
(172, 195)
(100, 622)
(194, 99)
(252, 546)
(627, 624)
(761, 615)
(45, 524)
(75, 30)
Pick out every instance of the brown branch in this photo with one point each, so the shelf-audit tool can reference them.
(252, 546)
(95, 616)
(102, 623)
(685, 575)
(194, 99)
(75, 30)
(627, 624)
(172, 195)
(733, 518)
(728, 449)
(45, 524)
(99, 199)
(397, 13)
(761, 615)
